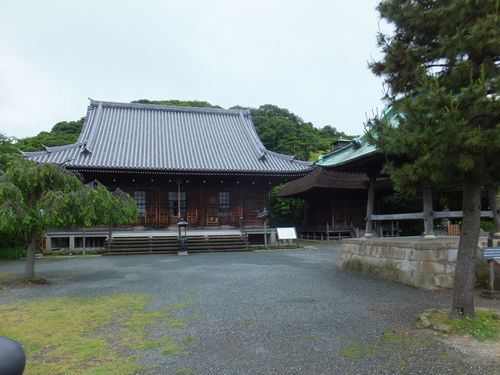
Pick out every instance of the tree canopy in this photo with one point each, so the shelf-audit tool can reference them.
(7, 151)
(34, 196)
(283, 131)
(441, 67)
(62, 133)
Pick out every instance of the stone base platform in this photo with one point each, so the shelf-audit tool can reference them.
(423, 263)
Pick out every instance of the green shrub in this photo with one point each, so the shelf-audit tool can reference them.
(487, 225)
(12, 251)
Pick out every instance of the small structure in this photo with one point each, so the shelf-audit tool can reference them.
(287, 235)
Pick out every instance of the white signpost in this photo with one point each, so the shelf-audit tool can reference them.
(287, 235)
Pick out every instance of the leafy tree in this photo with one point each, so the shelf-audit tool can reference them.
(7, 151)
(91, 205)
(62, 133)
(286, 211)
(441, 67)
(34, 196)
(282, 131)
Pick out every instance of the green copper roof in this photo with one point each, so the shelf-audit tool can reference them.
(357, 149)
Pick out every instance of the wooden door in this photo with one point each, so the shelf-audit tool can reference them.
(163, 209)
(253, 203)
(212, 208)
(176, 200)
(193, 214)
(151, 209)
(225, 208)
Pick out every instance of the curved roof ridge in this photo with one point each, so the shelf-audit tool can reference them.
(63, 147)
(285, 157)
(173, 108)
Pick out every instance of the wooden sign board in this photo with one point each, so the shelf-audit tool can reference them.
(286, 233)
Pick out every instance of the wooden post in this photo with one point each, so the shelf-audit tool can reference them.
(265, 233)
(492, 202)
(491, 263)
(369, 207)
(428, 213)
(178, 199)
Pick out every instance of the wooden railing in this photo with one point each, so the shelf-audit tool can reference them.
(420, 215)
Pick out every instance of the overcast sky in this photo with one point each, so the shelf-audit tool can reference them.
(308, 56)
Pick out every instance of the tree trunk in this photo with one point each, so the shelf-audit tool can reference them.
(492, 202)
(29, 271)
(463, 287)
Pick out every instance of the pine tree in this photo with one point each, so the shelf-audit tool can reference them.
(441, 69)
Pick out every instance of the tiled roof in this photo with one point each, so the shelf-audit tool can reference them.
(130, 136)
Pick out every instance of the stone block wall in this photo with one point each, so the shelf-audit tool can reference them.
(427, 264)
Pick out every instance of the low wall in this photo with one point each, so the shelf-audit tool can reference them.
(427, 264)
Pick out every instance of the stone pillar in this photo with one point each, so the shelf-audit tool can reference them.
(369, 207)
(48, 243)
(428, 213)
(492, 203)
(72, 243)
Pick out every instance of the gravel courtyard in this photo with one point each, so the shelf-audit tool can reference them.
(282, 312)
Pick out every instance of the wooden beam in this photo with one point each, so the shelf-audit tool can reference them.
(420, 215)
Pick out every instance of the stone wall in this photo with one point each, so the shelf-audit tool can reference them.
(427, 264)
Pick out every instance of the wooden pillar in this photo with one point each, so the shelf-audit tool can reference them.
(178, 200)
(369, 207)
(428, 213)
(492, 202)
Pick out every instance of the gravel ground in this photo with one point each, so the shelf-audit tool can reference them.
(281, 312)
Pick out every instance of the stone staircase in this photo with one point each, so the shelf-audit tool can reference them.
(168, 244)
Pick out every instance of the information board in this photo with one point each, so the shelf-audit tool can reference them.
(286, 233)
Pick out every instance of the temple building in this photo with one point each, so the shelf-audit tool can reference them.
(206, 165)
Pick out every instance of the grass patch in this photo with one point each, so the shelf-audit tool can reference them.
(189, 340)
(484, 326)
(176, 323)
(76, 335)
(172, 348)
(356, 352)
(396, 337)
